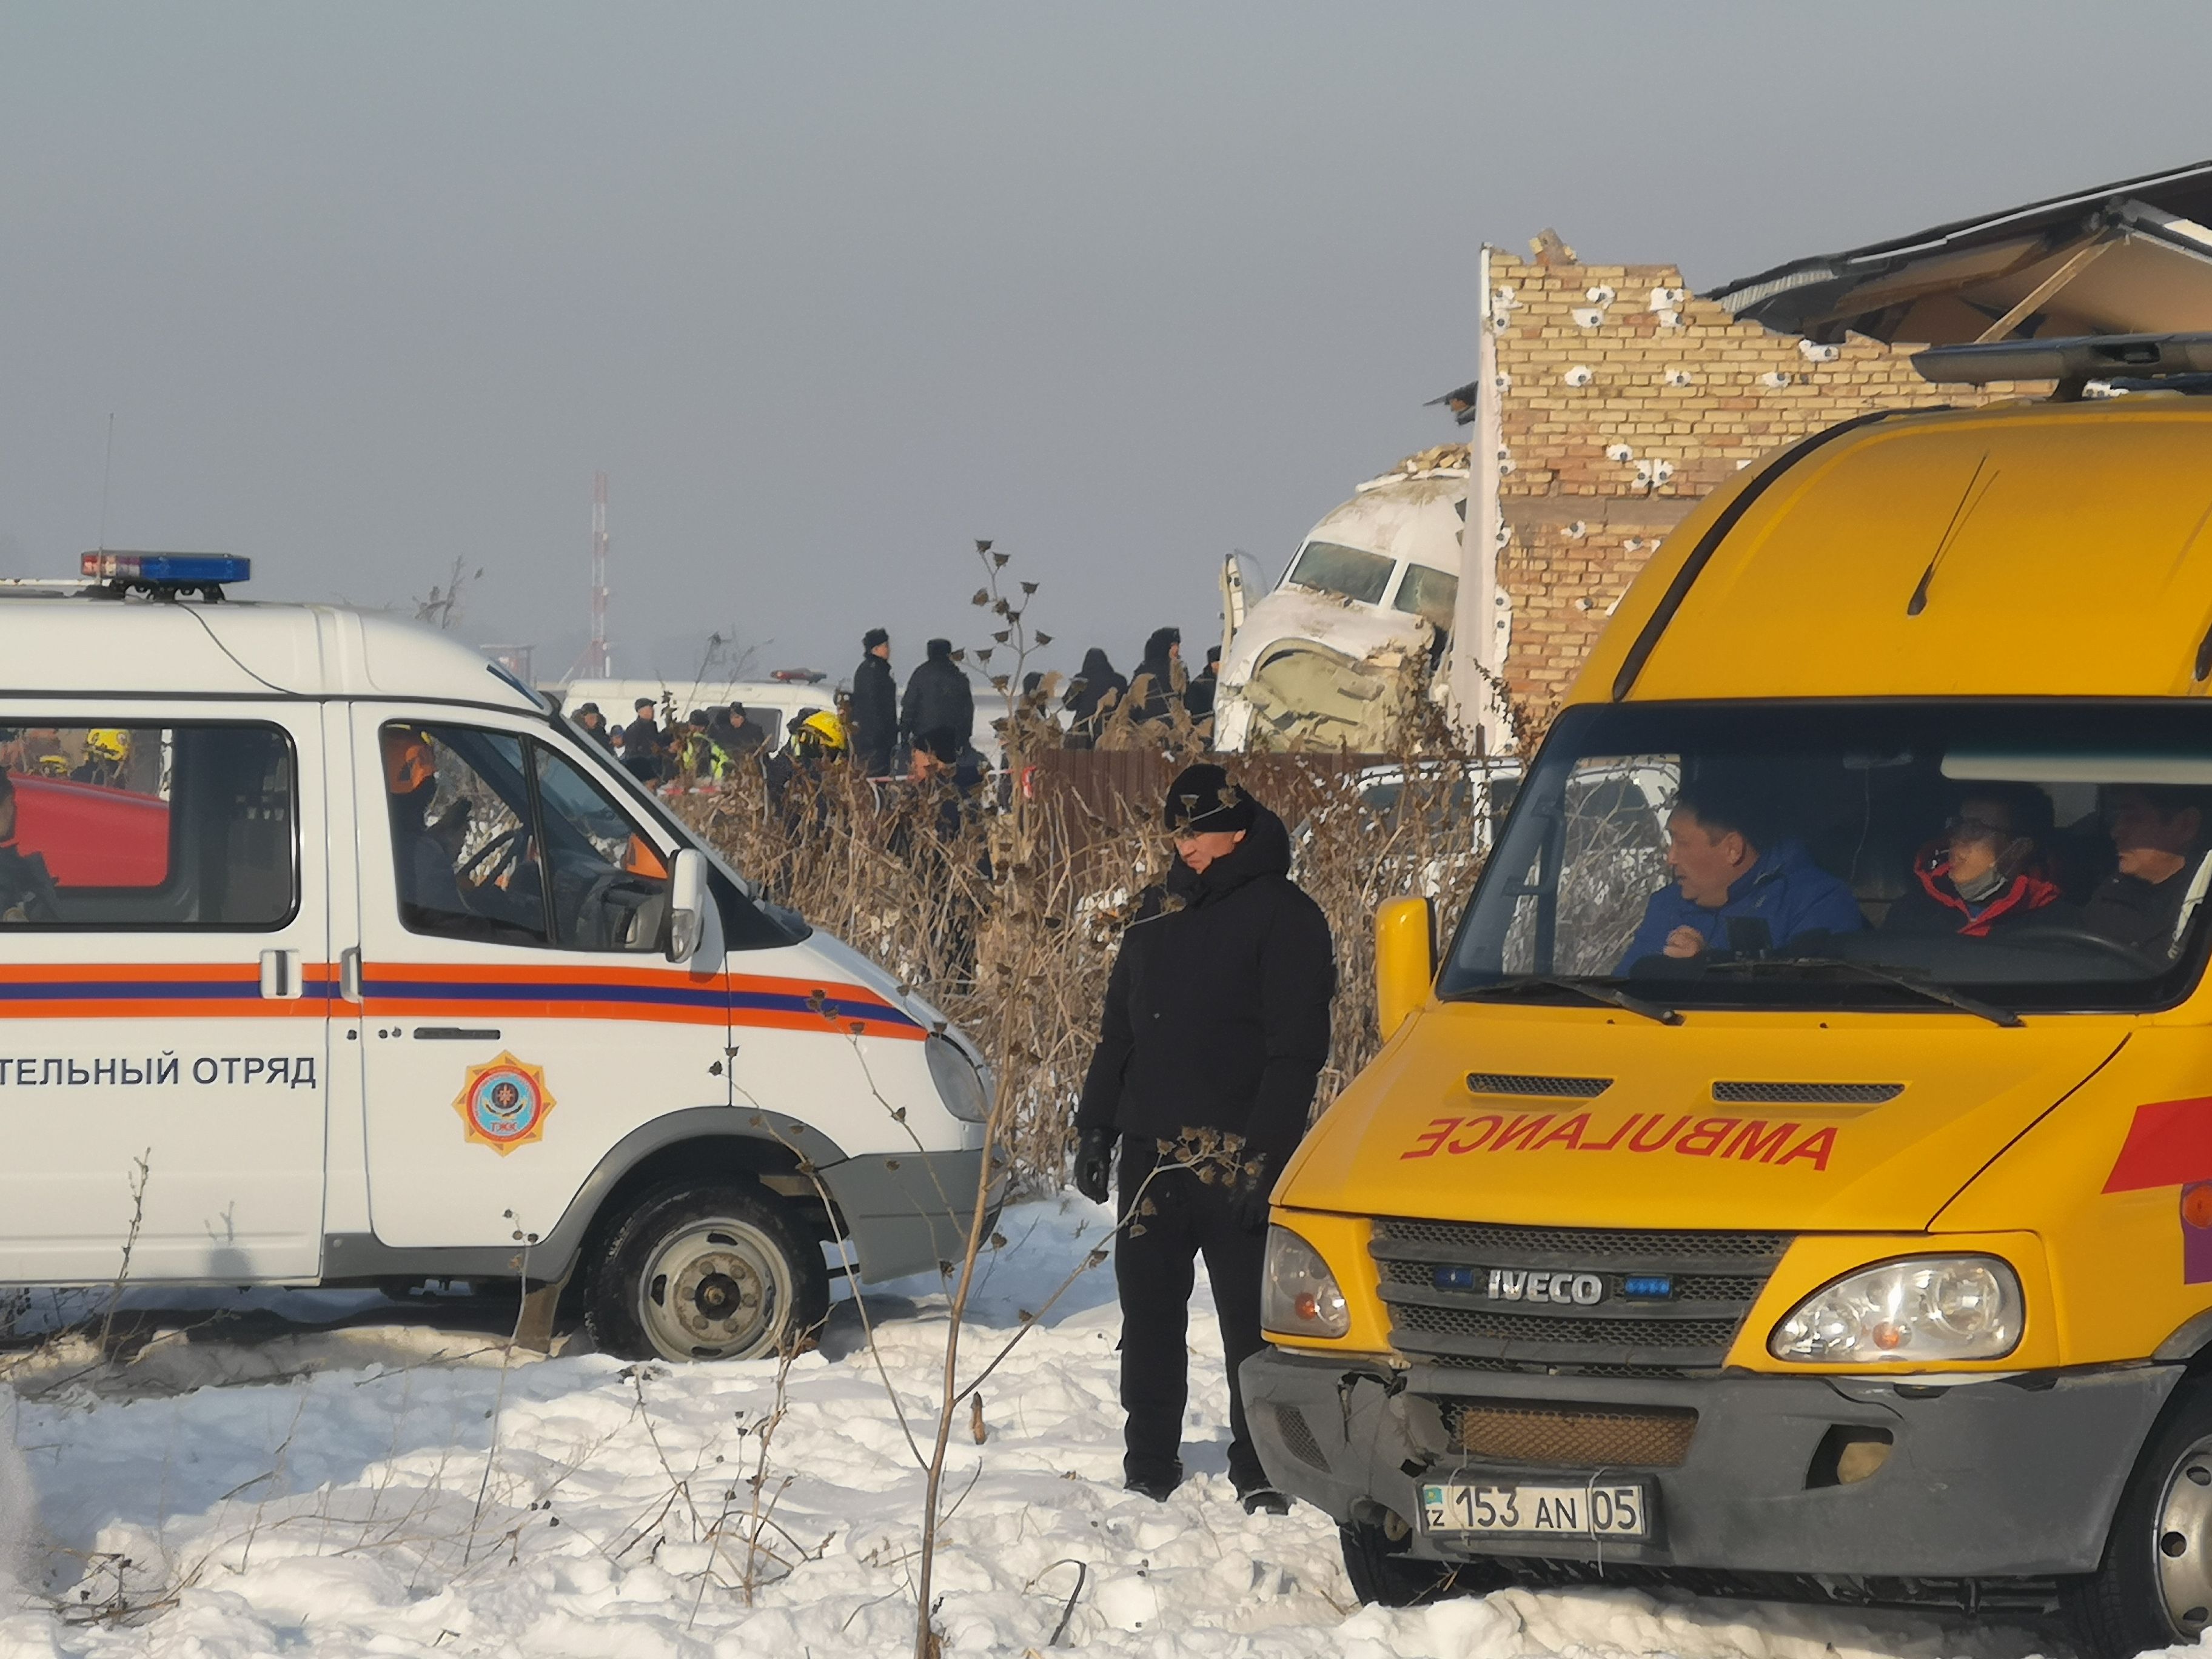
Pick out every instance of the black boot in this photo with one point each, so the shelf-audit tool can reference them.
(1260, 1498)
(1157, 1481)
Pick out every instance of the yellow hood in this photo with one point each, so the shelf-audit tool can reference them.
(1702, 1124)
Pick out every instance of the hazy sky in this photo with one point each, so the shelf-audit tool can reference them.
(829, 291)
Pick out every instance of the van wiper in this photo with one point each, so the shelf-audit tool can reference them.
(1880, 976)
(1595, 990)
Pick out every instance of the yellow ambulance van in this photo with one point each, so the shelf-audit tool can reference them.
(1795, 1176)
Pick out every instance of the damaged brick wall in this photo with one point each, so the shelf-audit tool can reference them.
(1624, 400)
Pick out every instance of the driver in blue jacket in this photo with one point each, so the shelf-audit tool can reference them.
(1724, 875)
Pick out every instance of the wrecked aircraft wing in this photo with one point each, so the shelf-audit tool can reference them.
(2129, 257)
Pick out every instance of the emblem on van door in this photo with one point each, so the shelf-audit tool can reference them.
(504, 1103)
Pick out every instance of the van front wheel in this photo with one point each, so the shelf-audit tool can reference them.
(2153, 1589)
(700, 1271)
(1386, 1577)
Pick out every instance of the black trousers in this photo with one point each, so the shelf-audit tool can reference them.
(1153, 1269)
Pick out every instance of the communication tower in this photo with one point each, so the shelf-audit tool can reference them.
(596, 663)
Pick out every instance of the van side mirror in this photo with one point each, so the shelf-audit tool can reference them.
(687, 904)
(1405, 960)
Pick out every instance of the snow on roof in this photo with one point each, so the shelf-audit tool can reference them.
(71, 646)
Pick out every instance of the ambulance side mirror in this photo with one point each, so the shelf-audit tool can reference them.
(687, 904)
(1405, 960)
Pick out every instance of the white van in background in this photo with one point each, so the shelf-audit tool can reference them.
(388, 974)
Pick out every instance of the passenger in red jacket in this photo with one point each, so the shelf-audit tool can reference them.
(1987, 873)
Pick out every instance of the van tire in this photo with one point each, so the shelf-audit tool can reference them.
(1383, 1576)
(708, 1270)
(2157, 1569)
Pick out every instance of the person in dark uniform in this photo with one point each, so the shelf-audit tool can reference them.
(1215, 1032)
(874, 724)
(642, 744)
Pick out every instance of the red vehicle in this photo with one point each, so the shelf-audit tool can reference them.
(92, 835)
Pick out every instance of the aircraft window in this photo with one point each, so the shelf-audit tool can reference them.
(1347, 572)
(1430, 594)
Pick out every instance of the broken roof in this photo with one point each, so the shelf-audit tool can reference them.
(2134, 256)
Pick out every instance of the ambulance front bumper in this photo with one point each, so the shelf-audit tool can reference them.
(910, 1213)
(1999, 1478)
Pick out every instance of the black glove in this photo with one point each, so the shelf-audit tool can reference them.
(1255, 1179)
(1094, 1165)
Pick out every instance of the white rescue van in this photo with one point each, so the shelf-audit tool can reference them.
(387, 975)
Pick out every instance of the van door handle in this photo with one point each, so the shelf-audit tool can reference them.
(280, 975)
(349, 973)
(456, 1033)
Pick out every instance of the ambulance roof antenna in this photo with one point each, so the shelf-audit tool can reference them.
(596, 663)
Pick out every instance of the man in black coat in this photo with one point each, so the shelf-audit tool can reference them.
(1159, 684)
(1199, 698)
(940, 707)
(642, 744)
(874, 721)
(1215, 1032)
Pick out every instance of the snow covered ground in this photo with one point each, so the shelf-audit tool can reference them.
(405, 1489)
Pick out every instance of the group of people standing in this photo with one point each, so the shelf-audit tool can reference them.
(935, 720)
(1162, 687)
(709, 746)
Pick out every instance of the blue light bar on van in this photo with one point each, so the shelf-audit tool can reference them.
(167, 569)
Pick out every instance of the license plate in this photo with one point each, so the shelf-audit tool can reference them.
(1611, 1509)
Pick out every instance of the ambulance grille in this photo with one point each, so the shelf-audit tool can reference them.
(1807, 1094)
(1465, 1293)
(1573, 1436)
(1532, 1083)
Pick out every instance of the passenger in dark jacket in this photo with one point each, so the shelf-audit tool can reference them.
(1985, 875)
(1215, 1030)
(1094, 693)
(874, 716)
(2159, 834)
(939, 703)
(1159, 684)
(1724, 875)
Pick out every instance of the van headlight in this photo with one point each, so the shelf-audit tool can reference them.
(1299, 1295)
(959, 1084)
(1924, 1308)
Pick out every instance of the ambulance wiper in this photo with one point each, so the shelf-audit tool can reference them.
(1891, 976)
(1597, 990)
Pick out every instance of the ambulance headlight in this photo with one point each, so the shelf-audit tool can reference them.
(1928, 1307)
(959, 1084)
(1298, 1296)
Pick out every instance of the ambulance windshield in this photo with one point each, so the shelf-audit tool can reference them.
(1993, 856)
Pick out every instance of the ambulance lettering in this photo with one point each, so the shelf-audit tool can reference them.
(1747, 1141)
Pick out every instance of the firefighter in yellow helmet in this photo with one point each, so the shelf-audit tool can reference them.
(107, 754)
(819, 736)
(817, 742)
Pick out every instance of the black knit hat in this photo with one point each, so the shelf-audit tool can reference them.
(874, 637)
(1202, 799)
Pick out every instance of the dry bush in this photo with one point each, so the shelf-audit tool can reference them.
(1003, 913)
(1002, 908)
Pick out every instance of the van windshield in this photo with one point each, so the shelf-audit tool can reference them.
(1991, 855)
